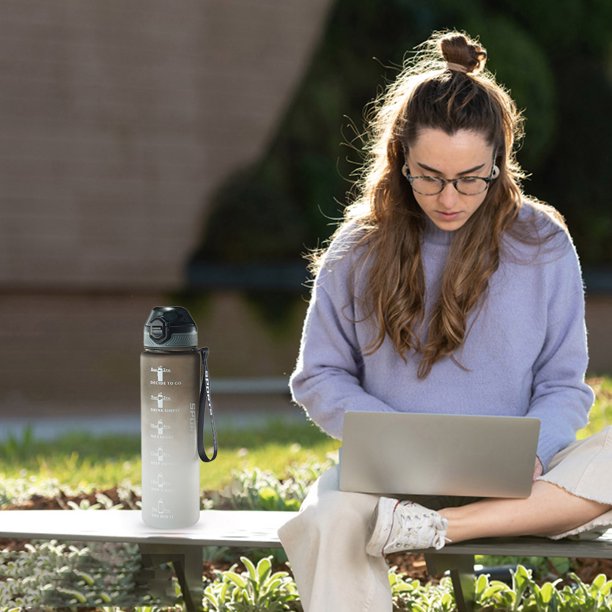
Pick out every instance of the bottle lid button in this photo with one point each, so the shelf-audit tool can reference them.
(159, 330)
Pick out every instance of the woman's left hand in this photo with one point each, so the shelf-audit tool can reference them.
(538, 470)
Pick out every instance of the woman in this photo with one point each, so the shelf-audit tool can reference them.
(444, 289)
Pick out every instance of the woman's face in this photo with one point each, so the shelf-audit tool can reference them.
(440, 155)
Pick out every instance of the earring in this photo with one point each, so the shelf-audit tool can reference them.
(495, 172)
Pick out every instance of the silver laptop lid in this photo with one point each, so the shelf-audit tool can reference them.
(438, 454)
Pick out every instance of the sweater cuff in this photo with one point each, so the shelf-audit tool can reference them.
(545, 452)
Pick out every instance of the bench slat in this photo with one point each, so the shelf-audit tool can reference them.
(215, 528)
(246, 528)
(525, 546)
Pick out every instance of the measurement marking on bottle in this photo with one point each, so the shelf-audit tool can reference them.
(160, 398)
(160, 430)
(161, 456)
(160, 510)
(160, 483)
(160, 371)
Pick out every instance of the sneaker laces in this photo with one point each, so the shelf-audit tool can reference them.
(422, 523)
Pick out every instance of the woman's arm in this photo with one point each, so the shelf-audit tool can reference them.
(560, 397)
(327, 380)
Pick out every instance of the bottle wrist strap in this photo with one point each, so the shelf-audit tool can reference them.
(205, 399)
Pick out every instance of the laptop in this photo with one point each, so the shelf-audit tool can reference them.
(393, 453)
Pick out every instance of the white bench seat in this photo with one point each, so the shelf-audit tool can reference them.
(215, 527)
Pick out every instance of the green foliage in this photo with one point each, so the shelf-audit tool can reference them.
(252, 207)
(52, 574)
(526, 595)
(511, 48)
(262, 490)
(412, 595)
(601, 413)
(559, 75)
(542, 567)
(258, 588)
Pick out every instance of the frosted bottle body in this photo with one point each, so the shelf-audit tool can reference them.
(170, 388)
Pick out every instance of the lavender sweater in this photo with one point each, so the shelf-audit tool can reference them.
(525, 354)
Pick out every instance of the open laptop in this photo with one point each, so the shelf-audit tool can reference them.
(438, 454)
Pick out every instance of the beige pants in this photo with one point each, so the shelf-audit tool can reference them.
(326, 541)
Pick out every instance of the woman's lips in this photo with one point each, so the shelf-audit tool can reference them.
(448, 216)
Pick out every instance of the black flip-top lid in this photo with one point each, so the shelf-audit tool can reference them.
(170, 327)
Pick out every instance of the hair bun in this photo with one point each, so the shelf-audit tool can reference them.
(461, 53)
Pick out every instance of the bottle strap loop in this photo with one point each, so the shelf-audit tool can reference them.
(205, 399)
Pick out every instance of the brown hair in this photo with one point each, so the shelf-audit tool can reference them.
(445, 87)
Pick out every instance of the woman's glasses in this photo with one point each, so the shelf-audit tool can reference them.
(465, 185)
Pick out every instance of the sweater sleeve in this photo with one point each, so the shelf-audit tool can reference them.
(560, 397)
(327, 380)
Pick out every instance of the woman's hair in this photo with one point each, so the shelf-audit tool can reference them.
(444, 87)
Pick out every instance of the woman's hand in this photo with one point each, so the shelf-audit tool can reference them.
(538, 470)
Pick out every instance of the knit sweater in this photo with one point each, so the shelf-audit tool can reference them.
(525, 353)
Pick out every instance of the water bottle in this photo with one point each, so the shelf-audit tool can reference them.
(174, 391)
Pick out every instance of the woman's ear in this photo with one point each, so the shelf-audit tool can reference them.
(495, 172)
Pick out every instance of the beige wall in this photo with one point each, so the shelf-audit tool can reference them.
(118, 118)
(78, 354)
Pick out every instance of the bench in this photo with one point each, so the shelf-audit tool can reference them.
(258, 529)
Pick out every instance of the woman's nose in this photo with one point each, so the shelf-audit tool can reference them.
(448, 196)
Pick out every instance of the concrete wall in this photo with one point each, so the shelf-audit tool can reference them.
(118, 118)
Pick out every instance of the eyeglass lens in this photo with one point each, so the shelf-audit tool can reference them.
(430, 185)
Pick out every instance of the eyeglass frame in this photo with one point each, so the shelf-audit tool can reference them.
(444, 181)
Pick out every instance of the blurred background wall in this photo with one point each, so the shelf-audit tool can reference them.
(118, 119)
(156, 153)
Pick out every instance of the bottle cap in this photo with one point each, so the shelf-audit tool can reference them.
(170, 327)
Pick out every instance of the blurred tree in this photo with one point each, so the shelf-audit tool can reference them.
(554, 56)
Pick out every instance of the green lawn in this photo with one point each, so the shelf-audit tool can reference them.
(82, 461)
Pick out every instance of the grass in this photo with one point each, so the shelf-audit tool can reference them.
(83, 461)
(601, 413)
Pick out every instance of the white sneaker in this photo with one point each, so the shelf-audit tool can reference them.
(404, 525)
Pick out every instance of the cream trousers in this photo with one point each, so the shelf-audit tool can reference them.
(326, 545)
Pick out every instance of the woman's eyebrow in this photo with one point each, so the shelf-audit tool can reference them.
(468, 171)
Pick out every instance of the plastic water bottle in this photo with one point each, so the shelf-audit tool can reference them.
(174, 390)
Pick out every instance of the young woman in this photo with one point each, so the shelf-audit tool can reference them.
(445, 289)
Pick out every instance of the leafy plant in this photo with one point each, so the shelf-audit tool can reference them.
(258, 588)
(544, 568)
(412, 595)
(579, 596)
(526, 594)
(52, 574)
(261, 490)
